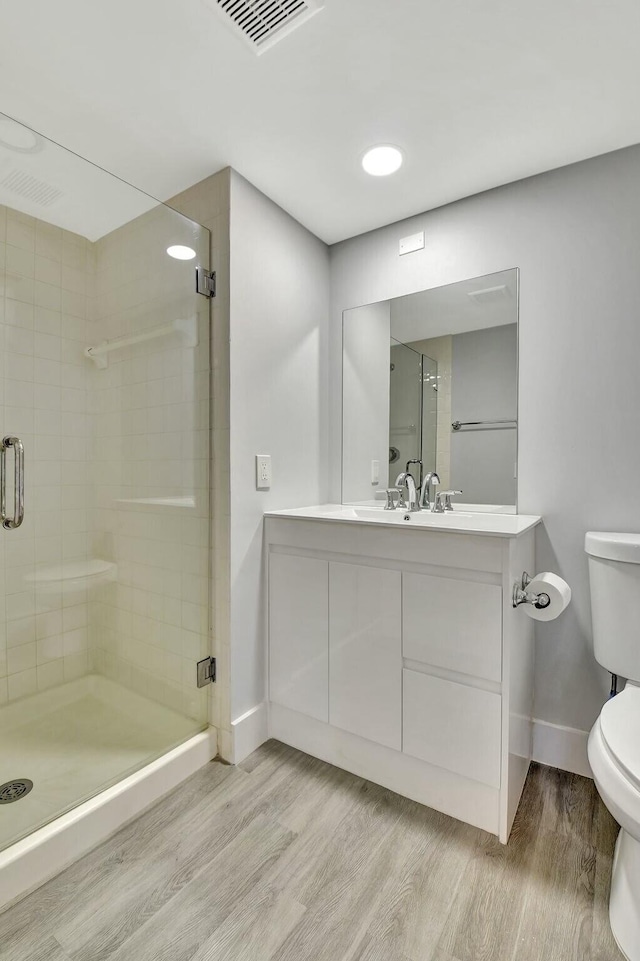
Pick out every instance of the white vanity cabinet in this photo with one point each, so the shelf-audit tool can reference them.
(396, 654)
(299, 662)
(365, 660)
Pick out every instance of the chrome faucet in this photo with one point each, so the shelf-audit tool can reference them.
(425, 491)
(405, 481)
(415, 460)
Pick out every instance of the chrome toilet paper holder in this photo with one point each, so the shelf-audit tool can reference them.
(522, 596)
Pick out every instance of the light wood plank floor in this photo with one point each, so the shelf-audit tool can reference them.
(286, 858)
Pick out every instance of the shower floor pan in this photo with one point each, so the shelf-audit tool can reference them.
(97, 754)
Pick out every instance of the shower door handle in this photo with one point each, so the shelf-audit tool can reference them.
(10, 523)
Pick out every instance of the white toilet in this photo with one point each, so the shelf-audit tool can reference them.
(614, 742)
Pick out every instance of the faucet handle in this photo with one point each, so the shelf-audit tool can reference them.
(391, 504)
(443, 500)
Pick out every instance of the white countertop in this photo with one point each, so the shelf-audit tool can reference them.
(455, 522)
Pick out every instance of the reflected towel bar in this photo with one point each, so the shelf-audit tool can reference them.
(187, 328)
(480, 424)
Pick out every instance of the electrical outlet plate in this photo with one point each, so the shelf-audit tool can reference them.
(263, 472)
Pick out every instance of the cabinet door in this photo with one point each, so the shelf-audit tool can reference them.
(453, 726)
(453, 624)
(365, 652)
(298, 634)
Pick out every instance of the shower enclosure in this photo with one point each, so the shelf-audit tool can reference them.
(412, 410)
(104, 545)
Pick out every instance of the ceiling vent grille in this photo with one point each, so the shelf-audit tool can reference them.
(30, 188)
(264, 22)
(489, 295)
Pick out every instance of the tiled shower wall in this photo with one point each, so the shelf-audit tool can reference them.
(46, 285)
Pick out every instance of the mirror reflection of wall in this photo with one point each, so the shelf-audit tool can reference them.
(448, 396)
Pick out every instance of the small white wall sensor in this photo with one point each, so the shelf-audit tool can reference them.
(411, 243)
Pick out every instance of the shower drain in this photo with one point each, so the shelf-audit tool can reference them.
(14, 790)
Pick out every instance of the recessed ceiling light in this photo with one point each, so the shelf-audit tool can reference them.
(179, 252)
(382, 160)
(14, 136)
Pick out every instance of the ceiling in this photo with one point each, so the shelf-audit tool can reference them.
(45, 181)
(162, 93)
(456, 308)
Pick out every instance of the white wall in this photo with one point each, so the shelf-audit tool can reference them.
(574, 234)
(484, 374)
(279, 289)
(366, 400)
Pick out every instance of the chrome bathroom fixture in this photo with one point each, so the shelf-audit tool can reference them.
(10, 523)
(14, 790)
(522, 596)
(479, 424)
(430, 479)
(406, 482)
(391, 494)
(442, 501)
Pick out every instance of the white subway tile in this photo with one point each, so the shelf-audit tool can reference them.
(22, 684)
(21, 658)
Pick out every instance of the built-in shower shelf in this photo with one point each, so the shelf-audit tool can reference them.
(181, 502)
(73, 576)
(186, 328)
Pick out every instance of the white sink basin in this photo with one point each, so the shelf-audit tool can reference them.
(456, 521)
(403, 517)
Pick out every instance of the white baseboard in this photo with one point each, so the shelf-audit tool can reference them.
(249, 732)
(561, 747)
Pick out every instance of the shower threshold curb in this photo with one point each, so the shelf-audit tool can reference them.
(28, 863)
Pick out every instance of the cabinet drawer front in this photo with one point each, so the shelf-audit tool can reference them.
(365, 652)
(454, 624)
(298, 634)
(453, 726)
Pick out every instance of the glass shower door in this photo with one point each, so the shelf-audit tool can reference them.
(104, 411)
(405, 409)
(429, 412)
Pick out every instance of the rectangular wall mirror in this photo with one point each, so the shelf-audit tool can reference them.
(432, 377)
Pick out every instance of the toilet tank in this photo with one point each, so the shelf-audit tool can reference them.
(614, 577)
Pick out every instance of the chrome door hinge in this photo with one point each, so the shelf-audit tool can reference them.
(205, 282)
(206, 671)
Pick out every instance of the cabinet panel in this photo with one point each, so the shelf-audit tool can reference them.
(298, 634)
(453, 726)
(453, 624)
(365, 652)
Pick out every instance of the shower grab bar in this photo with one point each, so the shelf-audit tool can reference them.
(10, 523)
(491, 424)
(186, 327)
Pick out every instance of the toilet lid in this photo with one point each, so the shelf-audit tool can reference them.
(620, 726)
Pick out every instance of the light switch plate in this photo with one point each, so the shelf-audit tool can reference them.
(414, 242)
(263, 472)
